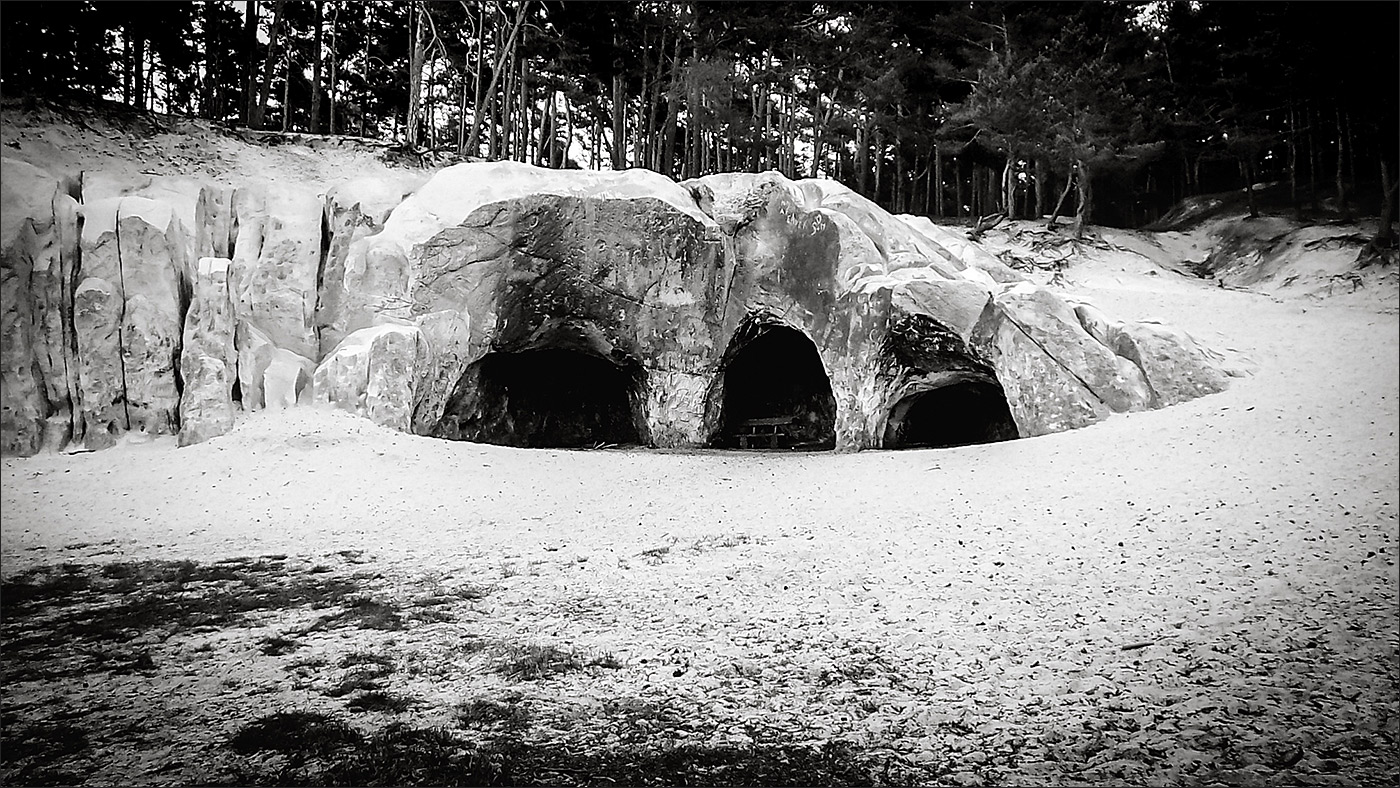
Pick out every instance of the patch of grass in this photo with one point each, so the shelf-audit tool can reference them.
(430, 615)
(533, 662)
(376, 700)
(718, 541)
(606, 660)
(366, 667)
(472, 592)
(355, 682)
(299, 734)
(122, 661)
(381, 662)
(41, 743)
(404, 755)
(508, 712)
(656, 555)
(362, 612)
(475, 645)
(305, 665)
(276, 645)
(56, 611)
(42, 752)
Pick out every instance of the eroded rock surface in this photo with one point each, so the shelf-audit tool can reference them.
(208, 359)
(374, 372)
(512, 304)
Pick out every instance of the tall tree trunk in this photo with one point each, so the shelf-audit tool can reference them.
(477, 84)
(335, 67)
(937, 186)
(1247, 169)
(765, 106)
(651, 107)
(958, 186)
(1293, 163)
(210, 89)
(1041, 174)
(928, 182)
(1351, 150)
(316, 68)
(1381, 247)
(416, 55)
(862, 155)
(250, 61)
(900, 196)
(127, 72)
(568, 142)
(475, 134)
(544, 151)
(879, 154)
(673, 102)
(286, 92)
(1341, 158)
(1313, 165)
(138, 58)
(527, 120)
(1007, 186)
(1084, 213)
(1064, 195)
(692, 122)
(619, 121)
(977, 206)
(510, 103)
(259, 111)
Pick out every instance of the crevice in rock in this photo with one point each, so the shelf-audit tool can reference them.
(317, 315)
(121, 315)
(1050, 355)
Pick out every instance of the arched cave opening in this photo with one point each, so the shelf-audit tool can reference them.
(556, 398)
(960, 412)
(776, 395)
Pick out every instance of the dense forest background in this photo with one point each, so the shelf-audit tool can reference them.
(1111, 111)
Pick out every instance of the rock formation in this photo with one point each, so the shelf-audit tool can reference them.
(510, 304)
(208, 360)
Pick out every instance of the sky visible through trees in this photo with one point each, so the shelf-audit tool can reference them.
(1111, 111)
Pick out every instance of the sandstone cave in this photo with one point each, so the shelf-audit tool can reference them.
(776, 394)
(553, 398)
(959, 412)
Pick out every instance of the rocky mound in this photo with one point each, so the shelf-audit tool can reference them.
(510, 304)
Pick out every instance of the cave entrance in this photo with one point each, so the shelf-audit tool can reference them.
(959, 412)
(776, 394)
(558, 398)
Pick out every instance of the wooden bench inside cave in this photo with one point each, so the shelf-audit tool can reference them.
(773, 431)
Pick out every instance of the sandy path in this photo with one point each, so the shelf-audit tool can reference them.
(1242, 545)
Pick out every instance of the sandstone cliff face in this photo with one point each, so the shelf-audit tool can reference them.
(208, 359)
(518, 305)
(34, 354)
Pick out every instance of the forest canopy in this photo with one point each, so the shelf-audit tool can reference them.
(1113, 110)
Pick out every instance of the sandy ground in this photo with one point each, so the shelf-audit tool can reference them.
(1205, 592)
(1225, 567)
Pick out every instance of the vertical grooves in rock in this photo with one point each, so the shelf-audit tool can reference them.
(68, 306)
(321, 275)
(121, 316)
